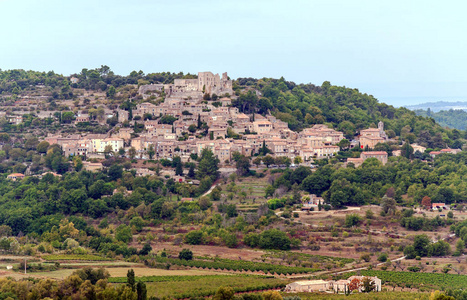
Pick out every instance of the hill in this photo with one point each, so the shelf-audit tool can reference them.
(440, 105)
(453, 118)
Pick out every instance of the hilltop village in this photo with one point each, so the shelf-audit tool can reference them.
(195, 114)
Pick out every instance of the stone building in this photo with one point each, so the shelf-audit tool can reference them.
(382, 156)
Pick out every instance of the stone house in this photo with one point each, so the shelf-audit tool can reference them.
(382, 156)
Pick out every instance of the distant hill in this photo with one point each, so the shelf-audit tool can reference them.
(453, 118)
(439, 106)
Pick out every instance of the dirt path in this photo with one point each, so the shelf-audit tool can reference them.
(210, 190)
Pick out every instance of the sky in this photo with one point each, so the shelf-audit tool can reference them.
(401, 52)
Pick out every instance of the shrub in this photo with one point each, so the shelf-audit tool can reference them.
(185, 254)
(352, 220)
(383, 257)
(274, 239)
(365, 257)
(194, 237)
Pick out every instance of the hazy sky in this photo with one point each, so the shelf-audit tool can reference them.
(390, 49)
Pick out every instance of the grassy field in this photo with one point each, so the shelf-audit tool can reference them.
(202, 287)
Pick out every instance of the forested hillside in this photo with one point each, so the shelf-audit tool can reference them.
(453, 118)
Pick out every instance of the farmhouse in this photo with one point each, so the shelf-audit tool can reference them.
(15, 176)
(308, 286)
(342, 285)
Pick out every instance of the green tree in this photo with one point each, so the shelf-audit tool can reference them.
(208, 165)
(132, 152)
(185, 254)
(368, 284)
(138, 223)
(141, 290)
(42, 147)
(268, 160)
(194, 237)
(151, 151)
(108, 150)
(111, 91)
(224, 293)
(130, 279)
(68, 117)
(297, 160)
(274, 239)
(192, 128)
(388, 205)
(123, 233)
(242, 164)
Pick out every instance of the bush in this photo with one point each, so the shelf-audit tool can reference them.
(414, 269)
(383, 257)
(185, 254)
(365, 257)
(194, 237)
(352, 220)
(274, 239)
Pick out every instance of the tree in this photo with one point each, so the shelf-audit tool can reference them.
(146, 249)
(243, 165)
(420, 245)
(274, 239)
(179, 169)
(138, 223)
(130, 279)
(216, 194)
(199, 122)
(246, 102)
(388, 205)
(77, 163)
(67, 117)
(132, 152)
(141, 290)
(192, 128)
(208, 165)
(271, 295)
(268, 160)
(224, 293)
(264, 150)
(460, 246)
(167, 119)
(426, 202)
(151, 151)
(297, 160)
(185, 254)
(352, 220)
(115, 172)
(354, 284)
(42, 147)
(344, 144)
(191, 171)
(368, 284)
(108, 150)
(123, 233)
(407, 150)
(194, 237)
(257, 161)
(111, 91)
